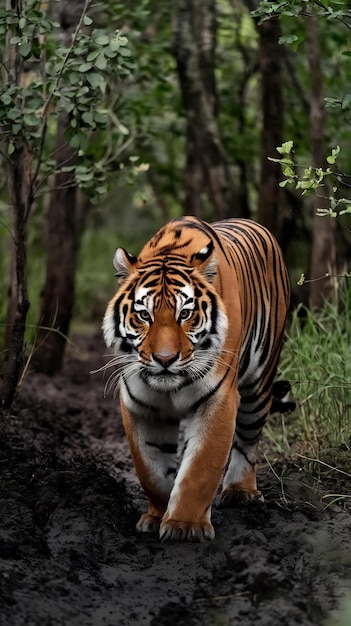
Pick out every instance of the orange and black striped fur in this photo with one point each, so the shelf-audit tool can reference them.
(197, 327)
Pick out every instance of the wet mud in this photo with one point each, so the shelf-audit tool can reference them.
(69, 552)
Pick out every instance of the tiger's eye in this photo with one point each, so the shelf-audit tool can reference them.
(144, 316)
(185, 314)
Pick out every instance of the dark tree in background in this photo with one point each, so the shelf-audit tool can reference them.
(270, 53)
(269, 193)
(64, 228)
(207, 168)
(20, 186)
(323, 256)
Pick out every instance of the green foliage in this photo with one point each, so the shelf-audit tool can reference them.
(316, 359)
(72, 79)
(327, 9)
(310, 179)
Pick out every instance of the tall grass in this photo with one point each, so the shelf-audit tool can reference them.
(316, 358)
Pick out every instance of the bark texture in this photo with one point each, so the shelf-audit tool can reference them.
(323, 257)
(269, 195)
(62, 249)
(64, 227)
(18, 304)
(20, 194)
(207, 169)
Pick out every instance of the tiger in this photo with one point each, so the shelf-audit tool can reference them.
(196, 329)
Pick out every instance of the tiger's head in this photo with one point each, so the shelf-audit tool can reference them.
(167, 323)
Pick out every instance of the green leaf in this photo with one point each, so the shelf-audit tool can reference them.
(75, 141)
(125, 52)
(286, 147)
(101, 189)
(25, 49)
(347, 210)
(16, 128)
(10, 148)
(110, 53)
(96, 80)
(74, 78)
(287, 171)
(100, 118)
(287, 162)
(6, 99)
(87, 20)
(93, 55)
(346, 102)
(30, 120)
(14, 114)
(287, 39)
(332, 102)
(87, 117)
(102, 40)
(101, 62)
(85, 67)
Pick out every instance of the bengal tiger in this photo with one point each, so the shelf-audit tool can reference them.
(197, 327)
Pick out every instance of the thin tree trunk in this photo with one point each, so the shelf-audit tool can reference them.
(64, 228)
(207, 168)
(20, 193)
(323, 244)
(272, 124)
(62, 249)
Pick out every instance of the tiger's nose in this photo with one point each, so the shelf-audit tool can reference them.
(165, 359)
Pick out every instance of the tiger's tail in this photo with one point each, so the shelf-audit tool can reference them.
(282, 399)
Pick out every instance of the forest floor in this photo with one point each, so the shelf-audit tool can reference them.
(69, 552)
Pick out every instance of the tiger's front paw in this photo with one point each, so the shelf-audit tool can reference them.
(148, 523)
(174, 530)
(235, 495)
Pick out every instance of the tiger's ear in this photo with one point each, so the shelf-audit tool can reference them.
(206, 261)
(123, 263)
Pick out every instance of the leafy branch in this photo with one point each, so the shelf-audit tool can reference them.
(44, 114)
(310, 179)
(76, 80)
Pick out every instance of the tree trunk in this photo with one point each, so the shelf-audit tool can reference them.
(269, 193)
(324, 228)
(20, 195)
(207, 168)
(62, 248)
(64, 227)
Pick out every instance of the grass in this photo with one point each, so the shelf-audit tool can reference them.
(316, 360)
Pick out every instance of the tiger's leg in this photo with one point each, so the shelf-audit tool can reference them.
(153, 448)
(239, 482)
(207, 440)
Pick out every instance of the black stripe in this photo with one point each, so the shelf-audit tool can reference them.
(256, 425)
(167, 448)
(239, 449)
(140, 402)
(210, 393)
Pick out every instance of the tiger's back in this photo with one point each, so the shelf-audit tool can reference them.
(197, 326)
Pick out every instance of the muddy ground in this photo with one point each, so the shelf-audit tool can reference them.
(69, 552)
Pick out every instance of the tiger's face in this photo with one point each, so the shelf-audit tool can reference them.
(167, 323)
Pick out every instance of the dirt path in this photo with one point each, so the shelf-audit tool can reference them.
(69, 554)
